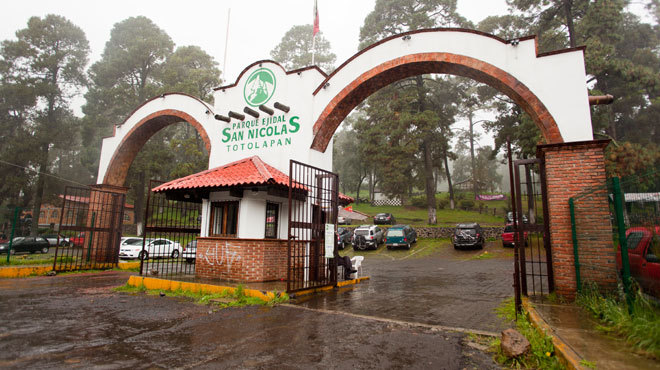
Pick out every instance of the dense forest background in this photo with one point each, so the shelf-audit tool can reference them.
(402, 141)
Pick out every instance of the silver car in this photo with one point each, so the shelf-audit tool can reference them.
(367, 236)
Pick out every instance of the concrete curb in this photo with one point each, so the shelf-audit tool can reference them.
(10, 272)
(171, 285)
(23, 271)
(564, 352)
(340, 284)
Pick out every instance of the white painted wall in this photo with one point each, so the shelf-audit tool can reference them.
(251, 213)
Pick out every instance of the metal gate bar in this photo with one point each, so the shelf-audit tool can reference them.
(92, 219)
(169, 243)
(532, 241)
(313, 203)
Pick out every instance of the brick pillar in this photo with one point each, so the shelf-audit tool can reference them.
(571, 169)
(105, 201)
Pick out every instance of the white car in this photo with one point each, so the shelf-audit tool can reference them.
(132, 248)
(190, 251)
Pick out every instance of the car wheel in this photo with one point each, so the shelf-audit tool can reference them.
(175, 253)
(143, 256)
(408, 246)
(190, 260)
(389, 247)
(12, 252)
(44, 250)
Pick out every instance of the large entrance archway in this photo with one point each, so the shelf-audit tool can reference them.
(555, 98)
(301, 110)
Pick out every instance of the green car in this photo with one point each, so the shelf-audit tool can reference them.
(400, 236)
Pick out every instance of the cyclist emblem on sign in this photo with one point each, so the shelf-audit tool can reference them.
(259, 87)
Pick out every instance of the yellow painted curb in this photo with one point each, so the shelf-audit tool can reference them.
(128, 265)
(326, 288)
(15, 272)
(171, 285)
(566, 354)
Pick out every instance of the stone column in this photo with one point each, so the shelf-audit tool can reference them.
(572, 169)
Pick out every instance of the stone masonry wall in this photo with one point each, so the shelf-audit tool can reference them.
(244, 260)
(572, 169)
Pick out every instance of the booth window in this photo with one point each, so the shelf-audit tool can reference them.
(224, 218)
(271, 220)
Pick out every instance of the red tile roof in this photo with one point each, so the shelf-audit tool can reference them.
(244, 172)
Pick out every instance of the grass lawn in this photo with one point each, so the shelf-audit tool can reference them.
(418, 216)
(32, 259)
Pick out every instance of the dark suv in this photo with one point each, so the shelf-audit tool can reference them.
(468, 235)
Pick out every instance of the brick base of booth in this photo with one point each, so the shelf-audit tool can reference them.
(241, 260)
(572, 168)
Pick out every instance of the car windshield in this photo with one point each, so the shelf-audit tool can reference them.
(508, 229)
(341, 230)
(362, 232)
(133, 242)
(465, 231)
(395, 232)
(381, 215)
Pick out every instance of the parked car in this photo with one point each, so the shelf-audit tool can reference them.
(53, 238)
(152, 248)
(508, 236)
(78, 241)
(384, 218)
(343, 220)
(30, 244)
(344, 236)
(509, 218)
(468, 235)
(644, 257)
(400, 236)
(190, 251)
(367, 236)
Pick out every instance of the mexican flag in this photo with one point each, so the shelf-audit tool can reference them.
(316, 19)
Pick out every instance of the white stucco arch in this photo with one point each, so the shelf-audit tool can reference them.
(119, 151)
(550, 87)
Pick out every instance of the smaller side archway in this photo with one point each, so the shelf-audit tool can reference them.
(120, 150)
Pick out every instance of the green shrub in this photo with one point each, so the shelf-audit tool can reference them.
(443, 203)
(466, 204)
(418, 201)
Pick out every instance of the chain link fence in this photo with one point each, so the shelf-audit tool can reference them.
(631, 245)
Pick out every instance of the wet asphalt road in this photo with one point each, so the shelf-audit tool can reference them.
(77, 321)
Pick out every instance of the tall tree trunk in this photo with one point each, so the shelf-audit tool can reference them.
(430, 194)
(474, 174)
(452, 205)
(428, 158)
(39, 190)
(568, 13)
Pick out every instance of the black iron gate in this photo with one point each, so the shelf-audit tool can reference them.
(533, 258)
(91, 219)
(169, 244)
(312, 217)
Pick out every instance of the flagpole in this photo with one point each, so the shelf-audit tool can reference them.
(224, 61)
(313, 48)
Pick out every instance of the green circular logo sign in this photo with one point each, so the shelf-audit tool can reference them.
(259, 87)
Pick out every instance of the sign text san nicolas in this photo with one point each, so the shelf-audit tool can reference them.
(258, 133)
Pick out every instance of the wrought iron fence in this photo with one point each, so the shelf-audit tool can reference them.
(169, 246)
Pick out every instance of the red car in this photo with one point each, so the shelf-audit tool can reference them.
(508, 237)
(644, 256)
(78, 241)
